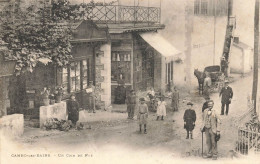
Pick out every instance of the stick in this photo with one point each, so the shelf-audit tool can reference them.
(202, 145)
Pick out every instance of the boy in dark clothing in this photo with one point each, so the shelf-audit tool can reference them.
(189, 120)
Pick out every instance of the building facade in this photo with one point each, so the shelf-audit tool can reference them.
(198, 29)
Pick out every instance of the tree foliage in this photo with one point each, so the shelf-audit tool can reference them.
(41, 31)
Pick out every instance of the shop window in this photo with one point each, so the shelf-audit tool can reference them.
(75, 76)
(121, 64)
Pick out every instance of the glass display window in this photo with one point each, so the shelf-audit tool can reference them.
(121, 64)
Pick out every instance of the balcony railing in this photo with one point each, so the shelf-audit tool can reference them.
(124, 14)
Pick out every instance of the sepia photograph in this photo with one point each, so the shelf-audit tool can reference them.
(129, 81)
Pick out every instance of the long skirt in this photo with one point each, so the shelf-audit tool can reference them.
(120, 95)
(74, 117)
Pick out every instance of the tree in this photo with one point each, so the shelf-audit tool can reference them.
(41, 31)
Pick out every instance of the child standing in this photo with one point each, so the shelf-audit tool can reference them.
(142, 115)
(189, 119)
(161, 109)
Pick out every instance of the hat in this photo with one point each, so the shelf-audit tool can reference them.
(189, 103)
(226, 81)
(142, 99)
(223, 57)
(131, 91)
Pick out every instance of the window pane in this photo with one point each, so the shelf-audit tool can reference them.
(85, 68)
(77, 79)
(65, 75)
(197, 7)
(65, 80)
(85, 74)
(73, 82)
(72, 77)
(204, 7)
(77, 83)
(121, 64)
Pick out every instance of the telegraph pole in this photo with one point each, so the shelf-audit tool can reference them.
(256, 46)
(214, 49)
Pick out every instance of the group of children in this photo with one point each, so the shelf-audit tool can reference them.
(142, 112)
(142, 115)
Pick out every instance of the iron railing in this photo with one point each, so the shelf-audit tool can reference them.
(248, 141)
(124, 14)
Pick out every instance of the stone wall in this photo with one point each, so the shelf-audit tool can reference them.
(103, 75)
(4, 99)
(12, 125)
(57, 110)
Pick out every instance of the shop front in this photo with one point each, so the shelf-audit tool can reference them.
(26, 90)
(141, 61)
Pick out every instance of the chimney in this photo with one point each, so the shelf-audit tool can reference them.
(236, 39)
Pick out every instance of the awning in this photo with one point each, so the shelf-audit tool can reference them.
(161, 45)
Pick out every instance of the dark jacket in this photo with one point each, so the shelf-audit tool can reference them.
(73, 111)
(190, 118)
(226, 93)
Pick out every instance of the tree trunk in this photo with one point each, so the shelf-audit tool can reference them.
(256, 44)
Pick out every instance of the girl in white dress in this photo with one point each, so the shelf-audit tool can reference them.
(161, 108)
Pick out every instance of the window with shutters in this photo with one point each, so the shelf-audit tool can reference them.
(204, 7)
(197, 7)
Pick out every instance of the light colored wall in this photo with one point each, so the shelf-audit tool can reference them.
(178, 74)
(248, 64)
(241, 60)
(202, 38)
(236, 65)
(244, 12)
(106, 74)
(12, 125)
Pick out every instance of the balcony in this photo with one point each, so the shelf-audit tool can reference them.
(117, 14)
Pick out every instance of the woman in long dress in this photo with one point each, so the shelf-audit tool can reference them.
(120, 91)
(161, 108)
(73, 110)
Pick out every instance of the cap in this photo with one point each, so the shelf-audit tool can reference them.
(142, 99)
(189, 103)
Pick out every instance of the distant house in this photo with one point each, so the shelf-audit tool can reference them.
(241, 60)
